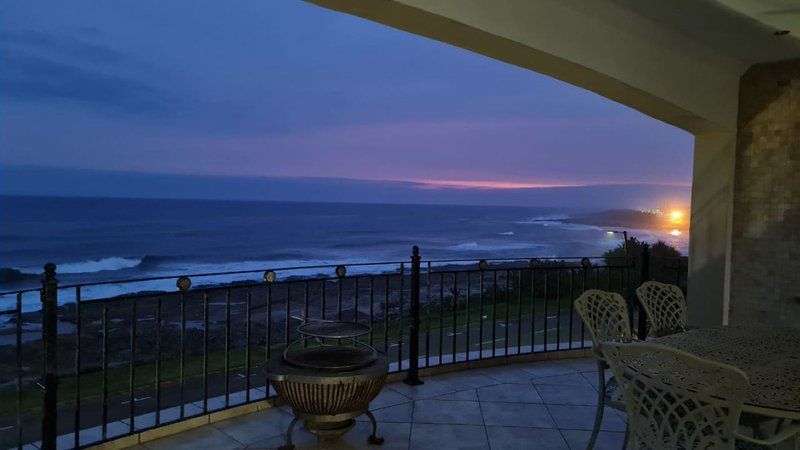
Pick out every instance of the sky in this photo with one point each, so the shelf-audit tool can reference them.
(287, 89)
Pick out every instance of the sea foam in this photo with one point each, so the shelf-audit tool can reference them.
(91, 266)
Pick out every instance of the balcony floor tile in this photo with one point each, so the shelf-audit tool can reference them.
(440, 436)
(507, 374)
(398, 413)
(517, 415)
(202, 437)
(570, 379)
(468, 395)
(509, 392)
(563, 394)
(447, 411)
(549, 368)
(256, 426)
(431, 388)
(466, 380)
(538, 438)
(582, 418)
(546, 405)
(606, 440)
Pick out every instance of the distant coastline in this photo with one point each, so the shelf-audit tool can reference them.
(626, 219)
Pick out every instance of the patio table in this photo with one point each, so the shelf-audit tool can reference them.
(770, 357)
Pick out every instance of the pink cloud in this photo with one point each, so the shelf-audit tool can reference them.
(488, 185)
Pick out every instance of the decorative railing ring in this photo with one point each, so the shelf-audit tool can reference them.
(183, 284)
(270, 276)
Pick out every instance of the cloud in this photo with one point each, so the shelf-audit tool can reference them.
(41, 67)
(63, 45)
(34, 78)
(515, 152)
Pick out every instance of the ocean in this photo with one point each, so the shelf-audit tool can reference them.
(98, 239)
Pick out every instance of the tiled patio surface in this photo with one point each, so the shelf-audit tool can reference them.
(541, 405)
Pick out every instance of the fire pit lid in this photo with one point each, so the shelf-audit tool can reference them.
(331, 357)
(333, 329)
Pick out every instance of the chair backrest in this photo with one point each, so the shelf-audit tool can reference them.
(674, 399)
(664, 306)
(605, 315)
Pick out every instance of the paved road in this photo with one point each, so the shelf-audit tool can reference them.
(557, 336)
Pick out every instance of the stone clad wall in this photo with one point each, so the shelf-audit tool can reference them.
(765, 257)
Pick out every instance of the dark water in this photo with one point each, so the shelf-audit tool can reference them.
(99, 238)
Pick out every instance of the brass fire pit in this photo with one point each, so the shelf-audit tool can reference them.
(329, 378)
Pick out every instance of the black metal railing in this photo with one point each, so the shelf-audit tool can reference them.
(84, 367)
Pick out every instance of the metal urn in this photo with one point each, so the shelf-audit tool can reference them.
(329, 378)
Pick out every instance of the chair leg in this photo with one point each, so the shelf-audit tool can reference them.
(373, 438)
(601, 405)
(627, 435)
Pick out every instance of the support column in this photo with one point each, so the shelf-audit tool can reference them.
(710, 238)
(765, 265)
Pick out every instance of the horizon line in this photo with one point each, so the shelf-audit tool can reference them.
(421, 183)
(208, 199)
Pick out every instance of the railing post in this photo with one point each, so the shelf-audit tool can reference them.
(644, 275)
(49, 298)
(412, 377)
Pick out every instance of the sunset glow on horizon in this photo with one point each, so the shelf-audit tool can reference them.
(467, 184)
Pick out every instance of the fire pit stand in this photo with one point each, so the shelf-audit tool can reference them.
(329, 378)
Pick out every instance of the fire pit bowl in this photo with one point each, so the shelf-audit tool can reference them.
(329, 378)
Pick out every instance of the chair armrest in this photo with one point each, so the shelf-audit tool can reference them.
(787, 432)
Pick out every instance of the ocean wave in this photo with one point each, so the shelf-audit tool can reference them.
(284, 267)
(150, 262)
(471, 246)
(576, 226)
(545, 218)
(99, 265)
(90, 266)
(464, 246)
(562, 225)
(506, 233)
(158, 266)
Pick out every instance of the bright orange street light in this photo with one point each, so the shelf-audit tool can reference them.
(676, 217)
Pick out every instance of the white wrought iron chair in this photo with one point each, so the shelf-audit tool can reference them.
(605, 315)
(782, 434)
(675, 400)
(665, 307)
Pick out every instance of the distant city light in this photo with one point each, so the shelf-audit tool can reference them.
(675, 232)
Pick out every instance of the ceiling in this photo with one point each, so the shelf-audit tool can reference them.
(778, 14)
(741, 29)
